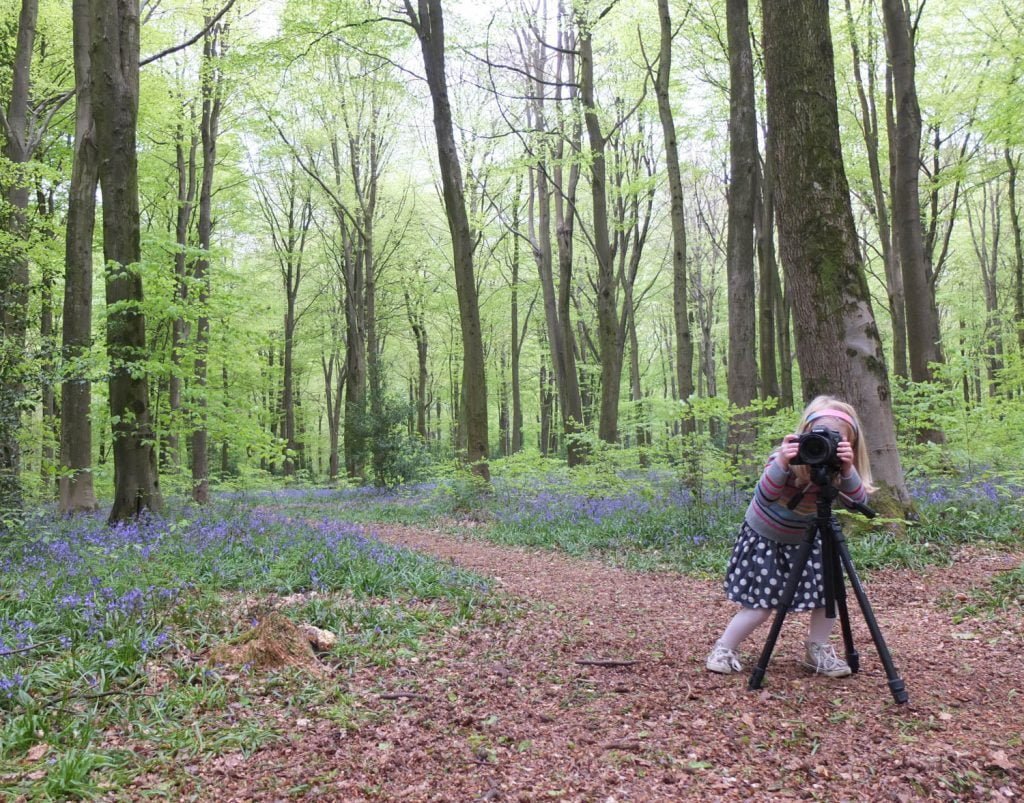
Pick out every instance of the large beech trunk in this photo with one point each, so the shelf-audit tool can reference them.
(742, 359)
(837, 341)
(115, 96)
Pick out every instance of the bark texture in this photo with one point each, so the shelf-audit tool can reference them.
(680, 299)
(115, 96)
(837, 341)
(76, 485)
(742, 354)
(428, 21)
(609, 334)
(923, 344)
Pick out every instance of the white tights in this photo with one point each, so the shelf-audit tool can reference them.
(747, 620)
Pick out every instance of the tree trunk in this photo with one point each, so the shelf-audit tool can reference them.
(419, 333)
(985, 234)
(837, 340)
(47, 342)
(504, 414)
(516, 437)
(115, 96)
(768, 285)
(355, 354)
(1018, 250)
(332, 397)
(186, 167)
(14, 263)
(742, 362)
(213, 52)
(880, 210)
(680, 300)
(428, 23)
(923, 345)
(608, 333)
(783, 313)
(75, 484)
(545, 412)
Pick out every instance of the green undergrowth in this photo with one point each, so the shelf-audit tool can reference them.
(105, 679)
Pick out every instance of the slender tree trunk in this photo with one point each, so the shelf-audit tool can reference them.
(869, 129)
(419, 332)
(75, 484)
(115, 97)
(922, 316)
(1018, 250)
(224, 449)
(680, 299)
(516, 437)
(47, 342)
(742, 362)
(355, 355)
(504, 414)
(768, 284)
(985, 234)
(545, 412)
(783, 313)
(186, 168)
(213, 51)
(288, 383)
(608, 333)
(428, 22)
(330, 365)
(836, 336)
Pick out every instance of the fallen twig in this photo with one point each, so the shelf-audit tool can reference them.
(604, 663)
(624, 746)
(5, 653)
(399, 695)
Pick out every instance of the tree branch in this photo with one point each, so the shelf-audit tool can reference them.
(174, 49)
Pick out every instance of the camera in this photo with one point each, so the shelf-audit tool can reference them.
(817, 447)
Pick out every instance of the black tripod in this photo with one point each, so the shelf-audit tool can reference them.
(835, 557)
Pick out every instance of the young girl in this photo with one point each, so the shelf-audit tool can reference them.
(769, 540)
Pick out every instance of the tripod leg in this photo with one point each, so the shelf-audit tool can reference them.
(896, 686)
(796, 572)
(835, 566)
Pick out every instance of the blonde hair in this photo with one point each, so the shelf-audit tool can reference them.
(812, 416)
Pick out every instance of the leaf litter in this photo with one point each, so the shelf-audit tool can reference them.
(594, 688)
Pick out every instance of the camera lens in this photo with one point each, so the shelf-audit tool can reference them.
(815, 449)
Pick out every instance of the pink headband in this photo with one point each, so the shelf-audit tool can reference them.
(830, 412)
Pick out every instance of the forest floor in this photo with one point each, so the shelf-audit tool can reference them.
(531, 706)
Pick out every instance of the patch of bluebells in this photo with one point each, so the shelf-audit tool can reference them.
(559, 502)
(967, 490)
(78, 584)
(11, 685)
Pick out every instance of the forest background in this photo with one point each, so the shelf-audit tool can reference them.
(297, 304)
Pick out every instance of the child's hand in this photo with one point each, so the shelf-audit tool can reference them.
(844, 451)
(787, 451)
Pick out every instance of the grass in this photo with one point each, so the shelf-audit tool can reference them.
(103, 632)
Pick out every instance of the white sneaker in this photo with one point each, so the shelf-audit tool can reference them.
(723, 660)
(821, 658)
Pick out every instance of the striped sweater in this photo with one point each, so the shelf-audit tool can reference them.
(768, 514)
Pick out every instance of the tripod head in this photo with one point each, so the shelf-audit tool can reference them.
(824, 475)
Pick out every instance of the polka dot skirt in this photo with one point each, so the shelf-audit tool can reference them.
(759, 568)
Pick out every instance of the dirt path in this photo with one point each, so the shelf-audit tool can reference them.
(514, 711)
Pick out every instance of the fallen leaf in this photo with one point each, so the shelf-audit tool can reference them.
(37, 752)
(999, 759)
